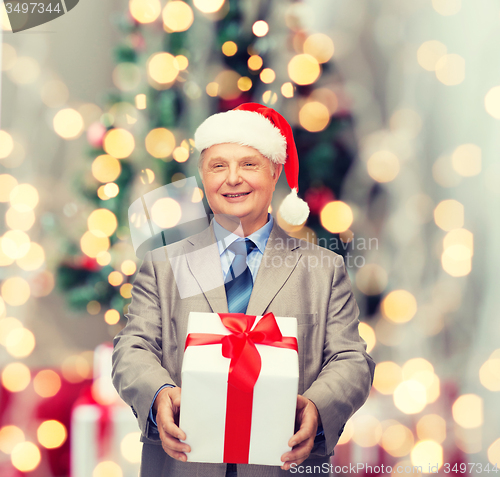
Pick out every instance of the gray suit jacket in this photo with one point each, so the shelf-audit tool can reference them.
(295, 278)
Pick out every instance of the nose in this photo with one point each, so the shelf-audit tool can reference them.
(233, 175)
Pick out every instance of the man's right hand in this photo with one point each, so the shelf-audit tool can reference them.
(167, 406)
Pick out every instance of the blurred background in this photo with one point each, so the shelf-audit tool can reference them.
(395, 108)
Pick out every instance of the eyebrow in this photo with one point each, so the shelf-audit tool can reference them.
(246, 158)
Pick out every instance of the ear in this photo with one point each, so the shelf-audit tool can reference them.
(278, 168)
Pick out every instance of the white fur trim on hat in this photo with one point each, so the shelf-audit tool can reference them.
(246, 128)
(293, 209)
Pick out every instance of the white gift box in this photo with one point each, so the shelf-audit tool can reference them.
(204, 395)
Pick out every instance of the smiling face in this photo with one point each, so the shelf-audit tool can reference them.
(239, 183)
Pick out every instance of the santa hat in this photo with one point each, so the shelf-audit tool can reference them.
(264, 129)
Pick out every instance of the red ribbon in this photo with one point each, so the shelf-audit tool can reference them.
(244, 371)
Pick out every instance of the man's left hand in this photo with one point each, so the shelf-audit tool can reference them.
(302, 442)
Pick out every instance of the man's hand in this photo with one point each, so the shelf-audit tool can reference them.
(167, 405)
(306, 420)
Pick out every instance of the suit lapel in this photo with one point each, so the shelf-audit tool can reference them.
(277, 264)
(203, 260)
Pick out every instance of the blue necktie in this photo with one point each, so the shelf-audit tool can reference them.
(239, 282)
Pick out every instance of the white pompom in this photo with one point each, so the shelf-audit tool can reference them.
(293, 209)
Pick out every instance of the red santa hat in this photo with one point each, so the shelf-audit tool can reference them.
(267, 131)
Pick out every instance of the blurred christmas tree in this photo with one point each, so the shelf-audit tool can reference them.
(176, 66)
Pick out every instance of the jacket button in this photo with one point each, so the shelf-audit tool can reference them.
(133, 410)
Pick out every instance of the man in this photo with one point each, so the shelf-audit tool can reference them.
(243, 152)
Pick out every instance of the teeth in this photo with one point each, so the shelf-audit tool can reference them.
(235, 195)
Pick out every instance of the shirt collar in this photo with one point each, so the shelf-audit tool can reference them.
(259, 237)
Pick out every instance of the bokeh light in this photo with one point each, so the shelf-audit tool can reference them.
(244, 83)
(93, 307)
(449, 215)
(287, 90)
(33, 259)
(383, 166)
(126, 290)
(111, 190)
(15, 244)
(494, 452)
(466, 160)
(431, 427)
(15, 291)
(7, 325)
(314, 116)
(177, 16)
(182, 62)
(267, 75)
(128, 267)
(7, 184)
(76, 368)
(320, 46)
(269, 97)
(489, 374)
(492, 102)
(145, 11)
(23, 197)
(147, 176)
(229, 48)
(92, 245)
(115, 278)
(68, 123)
(447, 7)
(255, 62)
(10, 436)
(429, 53)
(131, 447)
(19, 220)
(397, 440)
(260, 28)
(388, 375)
(119, 143)
(410, 397)
(399, 306)
(47, 383)
(160, 143)
(51, 434)
(26, 456)
(367, 431)
(102, 223)
(6, 144)
(458, 244)
(426, 453)
(366, 332)
(228, 84)
(25, 70)
(20, 342)
(336, 216)
(212, 89)
(450, 69)
(162, 68)
(208, 6)
(106, 168)
(16, 377)
(166, 212)
(467, 411)
(303, 69)
(112, 317)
